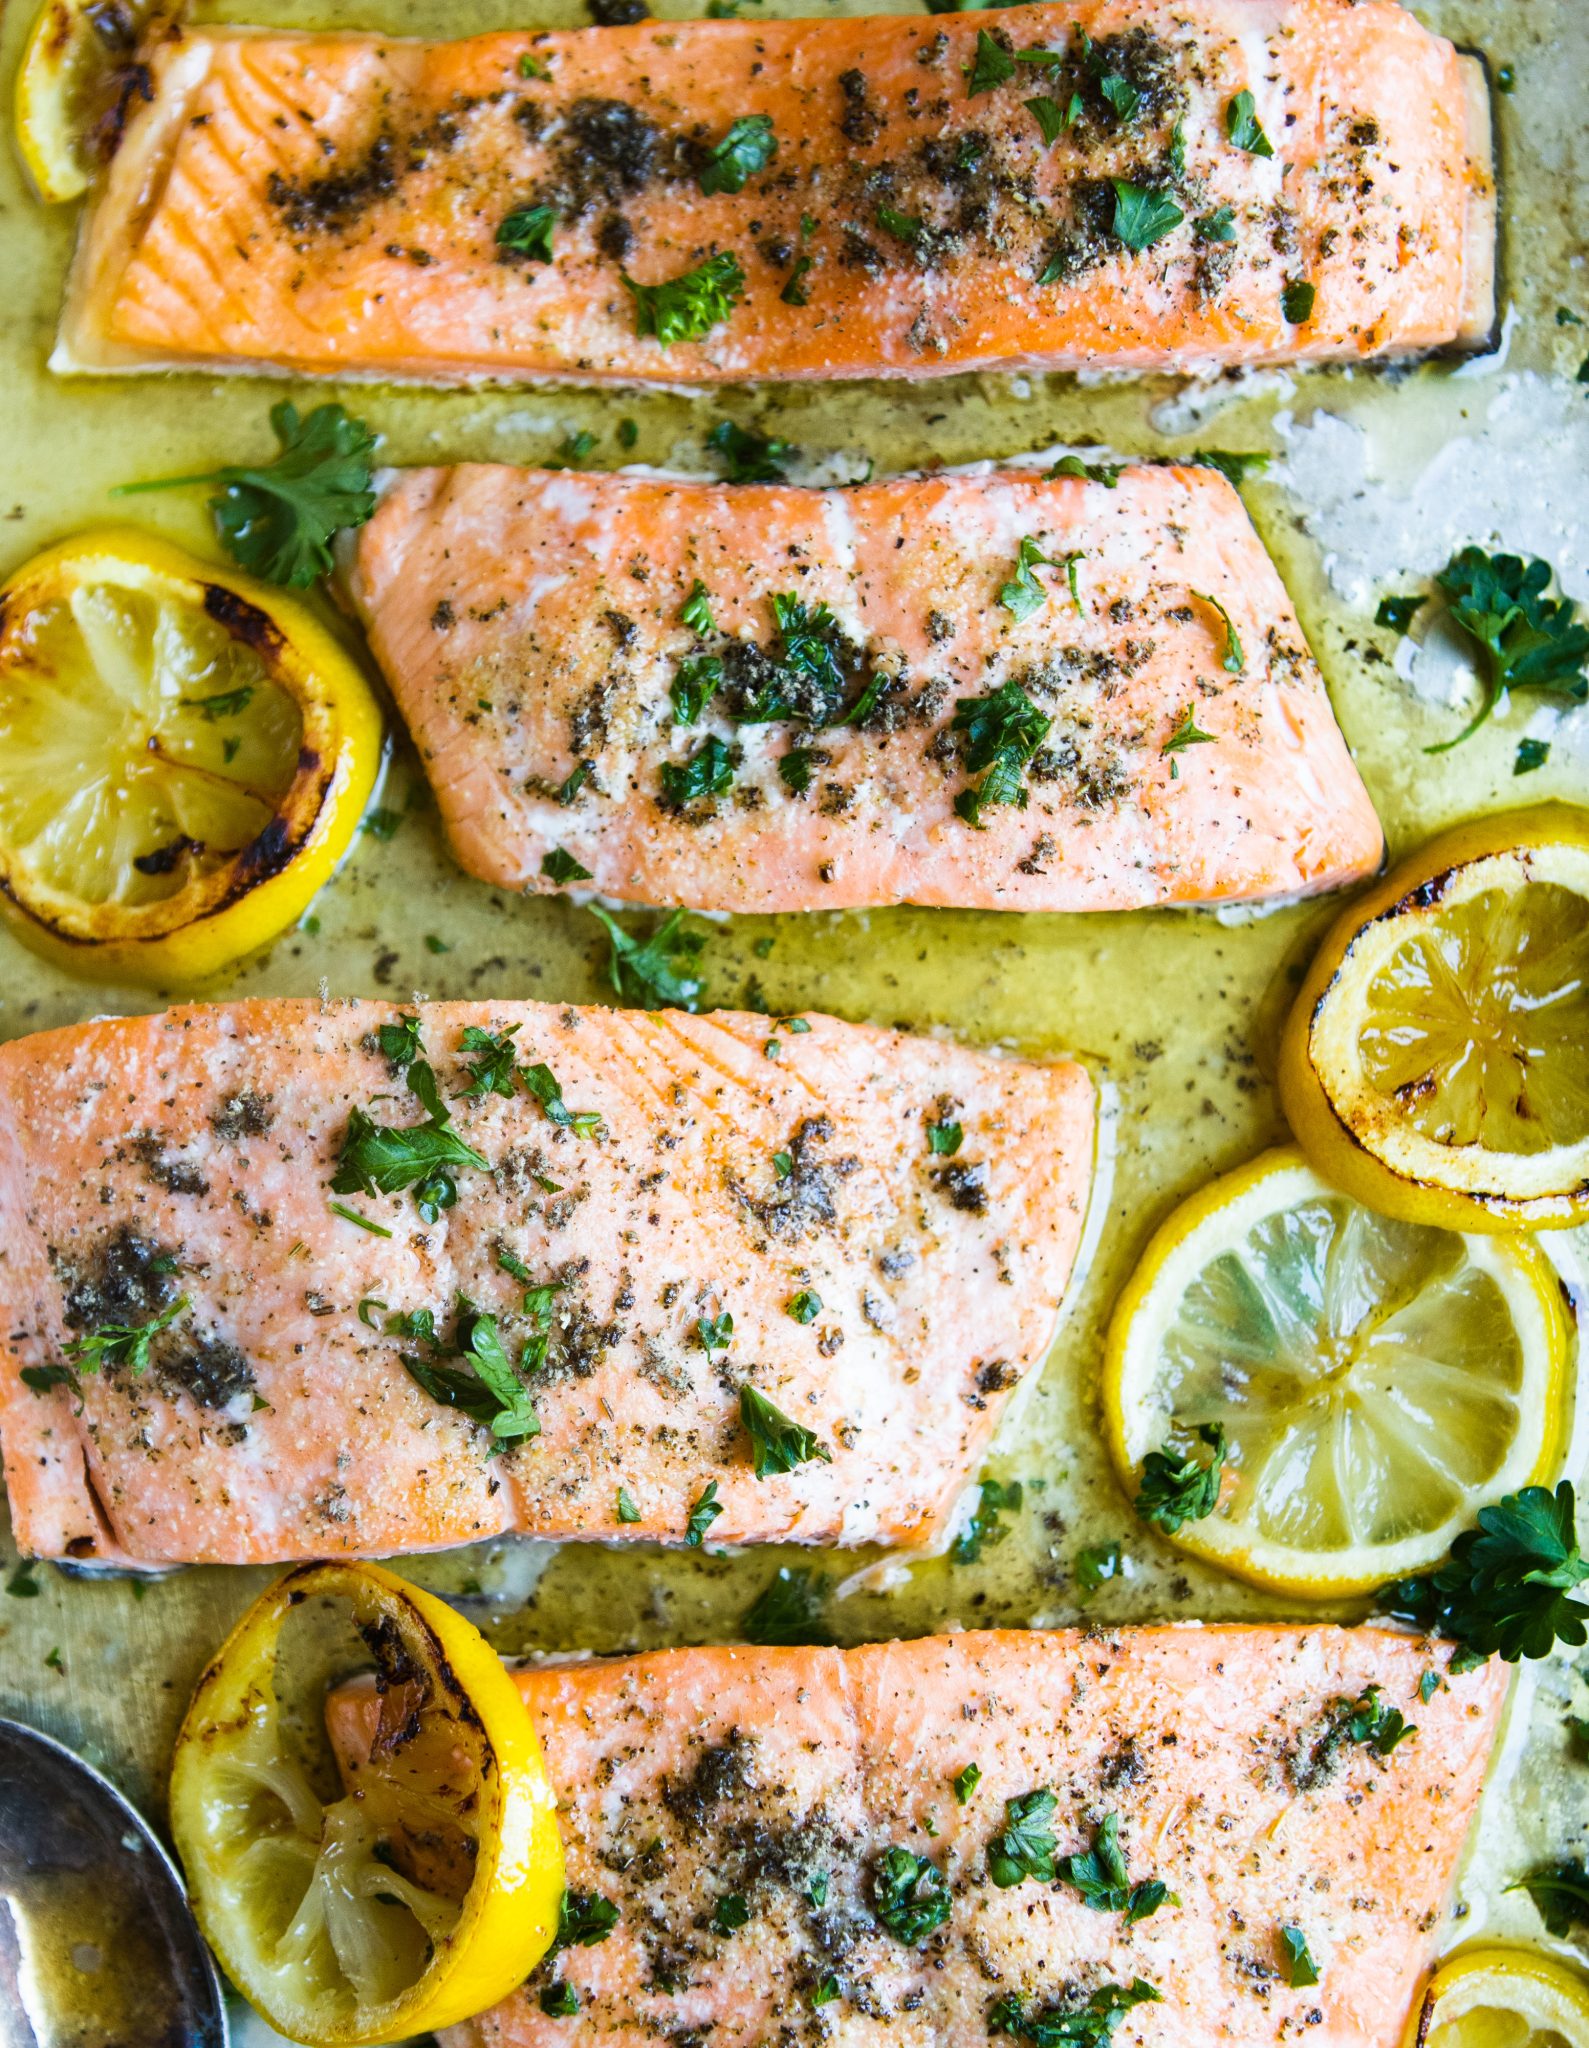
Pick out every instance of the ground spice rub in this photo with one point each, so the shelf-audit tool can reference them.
(991, 1835)
(1003, 692)
(1111, 181)
(292, 1280)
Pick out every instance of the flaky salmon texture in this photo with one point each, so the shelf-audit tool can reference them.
(224, 1343)
(1006, 691)
(1203, 183)
(1219, 1759)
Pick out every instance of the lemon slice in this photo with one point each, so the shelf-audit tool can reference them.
(184, 755)
(1503, 1998)
(414, 1902)
(1377, 1381)
(78, 76)
(1433, 1064)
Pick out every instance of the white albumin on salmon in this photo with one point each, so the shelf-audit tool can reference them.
(869, 663)
(171, 1176)
(1209, 182)
(782, 1778)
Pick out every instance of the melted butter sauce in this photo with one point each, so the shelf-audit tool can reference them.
(1177, 1011)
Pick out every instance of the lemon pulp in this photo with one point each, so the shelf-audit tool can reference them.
(1505, 1998)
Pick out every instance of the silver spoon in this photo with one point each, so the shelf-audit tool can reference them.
(97, 1946)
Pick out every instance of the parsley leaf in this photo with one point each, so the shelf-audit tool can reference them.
(1244, 128)
(559, 2000)
(527, 231)
(1398, 612)
(945, 1138)
(904, 227)
(986, 1526)
(746, 458)
(1531, 754)
(1368, 1720)
(1100, 1875)
(805, 1306)
(1529, 641)
(1002, 732)
(1106, 473)
(1025, 1846)
(1560, 1892)
(696, 610)
(1504, 1590)
(543, 1084)
(118, 1344)
(1176, 1490)
(495, 1072)
(1052, 119)
(1143, 217)
(748, 147)
(1301, 1969)
(1234, 467)
(377, 1159)
(278, 520)
(788, 1609)
(703, 1514)
(584, 1919)
(794, 292)
(909, 1895)
(709, 771)
(1218, 226)
(1186, 732)
(696, 683)
(1296, 301)
(493, 1394)
(628, 1508)
(558, 866)
(686, 307)
(794, 770)
(1023, 594)
(654, 972)
(1233, 660)
(991, 67)
(778, 1442)
(1090, 2025)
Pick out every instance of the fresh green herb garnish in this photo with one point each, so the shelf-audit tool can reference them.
(44, 1379)
(748, 147)
(696, 683)
(573, 448)
(1121, 94)
(628, 1508)
(794, 770)
(22, 1584)
(944, 1138)
(1186, 733)
(904, 227)
(1052, 119)
(1504, 1590)
(1429, 1685)
(1296, 301)
(1182, 1489)
(1090, 2025)
(986, 1527)
(1218, 226)
(965, 1782)
(1100, 1875)
(794, 292)
(1560, 1892)
(825, 1993)
(1024, 1847)
(654, 972)
(696, 610)
(493, 1394)
(1143, 217)
(1531, 754)
(805, 1306)
(1368, 1720)
(527, 231)
(1234, 467)
(628, 433)
(747, 458)
(559, 2001)
(788, 1609)
(495, 1071)
(1023, 594)
(703, 1514)
(377, 1159)
(543, 1084)
(1105, 473)
(709, 771)
(222, 703)
(1529, 641)
(558, 866)
(1099, 1561)
(1398, 613)
(122, 1344)
(909, 1895)
(686, 307)
(730, 1912)
(584, 1919)
(1244, 128)
(278, 520)
(1233, 660)
(1301, 1969)
(353, 1216)
(991, 67)
(778, 1443)
(1002, 732)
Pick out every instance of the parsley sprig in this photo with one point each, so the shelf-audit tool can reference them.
(1100, 1875)
(1182, 1488)
(909, 1895)
(1504, 1591)
(655, 972)
(1528, 640)
(1090, 2025)
(778, 1442)
(123, 1344)
(1024, 1846)
(686, 307)
(278, 519)
(1002, 732)
(492, 1393)
(749, 146)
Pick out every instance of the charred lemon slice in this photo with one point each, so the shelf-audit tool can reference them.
(1433, 1064)
(1503, 1998)
(78, 76)
(1374, 1382)
(425, 1893)
(184, 755)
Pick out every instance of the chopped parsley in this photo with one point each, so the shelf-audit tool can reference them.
(527, 231)
(628, 1508)
(1296, 300)
(703, 1514)
(1398, 613)
(696, 683)
(559, 2000)
(1301, 1969)
(628, 433)
(1368, 1720)
(788, 1609)
(222, 703)
(122, 1344)
(904, 227)
(696, 610)
(492, 1394)
(1100, 1875)
(495, 1071)
(1142, 216)
(1429, 1685)
(964, 1783)
(1244, 128)
(1052, 119)
(778, 1443)
(1182, 1489)
(1121, 94)
(1024, 1847)
(1531, 754)
(1235, 467)
(794, 770)
(1105, 473)
(714, 1333)
(805, 1306)
(1218, 226)
(991, 67)
(794, 292)
(1002, 732)
(748, 147)
(1233, 660)
(747, 458)
(654, 972)
(1186, 732)
(531, 67)
(377, 1159)
(1505, 1589)
(709, 771)
(1560, 1892)
(986, 1527)
(584, 1919)
(1096, 1563)
(730, 1913)
(686, 307)
(909, 1895)
(945, 1137)
(278, 519)
(1023, 594)
(1089, 2025)
(540, 1082)
(558, 866)
(1528, 641)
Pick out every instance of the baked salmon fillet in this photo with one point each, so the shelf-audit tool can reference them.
(1003, 691)
(288, 1279)
(1144, 184)
(807, 1787)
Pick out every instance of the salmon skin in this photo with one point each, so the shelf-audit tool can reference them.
(782, 1779)
(763, 698)
(1205, 183)
(223, 1347)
